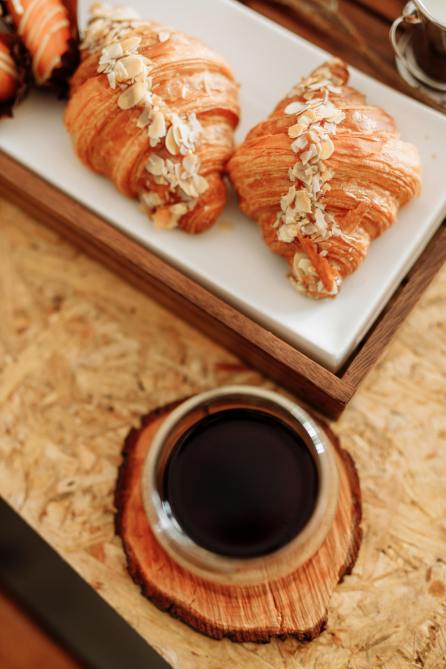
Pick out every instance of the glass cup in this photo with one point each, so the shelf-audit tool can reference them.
(219, 568)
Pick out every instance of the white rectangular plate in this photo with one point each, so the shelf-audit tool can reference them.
(232, 260)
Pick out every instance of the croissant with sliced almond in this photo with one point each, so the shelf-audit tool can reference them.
(324, 175)
(154, 110)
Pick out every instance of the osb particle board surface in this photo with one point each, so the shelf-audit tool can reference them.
(82, 355)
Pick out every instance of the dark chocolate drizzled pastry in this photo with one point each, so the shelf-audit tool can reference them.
(48, 31)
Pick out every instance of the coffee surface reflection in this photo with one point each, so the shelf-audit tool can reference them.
(241, 483)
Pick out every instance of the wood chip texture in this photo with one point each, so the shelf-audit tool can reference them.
(83, 355)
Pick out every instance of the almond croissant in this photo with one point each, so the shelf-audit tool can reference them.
(323, 175)
(154, 110)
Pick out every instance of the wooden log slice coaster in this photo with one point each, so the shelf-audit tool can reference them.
(295, 605)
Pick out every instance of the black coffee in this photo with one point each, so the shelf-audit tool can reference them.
(241, 483)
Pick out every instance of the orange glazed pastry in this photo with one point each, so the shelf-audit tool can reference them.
(9, 74)
(13, 70)
(323, 175)
(48, 33)
(154, 110)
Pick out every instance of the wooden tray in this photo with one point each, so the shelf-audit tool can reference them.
(328, 392)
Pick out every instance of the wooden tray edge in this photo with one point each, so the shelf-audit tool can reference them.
(326, 391)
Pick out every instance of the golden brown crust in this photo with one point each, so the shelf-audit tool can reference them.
(187, 80)
(373, 173)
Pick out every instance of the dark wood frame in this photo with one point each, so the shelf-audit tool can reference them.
(328, 392)
(58, 599)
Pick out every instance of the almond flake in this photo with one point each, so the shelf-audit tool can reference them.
(287, 199)
(151, 200)
(188, 188)
(327, 149)
(111, 76)
(299, 143)
(310, 116)
(163, 36)
(319, 84)
(171, 144)
(306, 156)
(288, 233)
(330, 128)
(130, 44)
(316, 185)
(306, 266)
(131, 96)
(157, 128)
(178, 209)
(111, 52)
(120, 72)
(155, 165)
(320, 220)
(303, 202)
(309, 229)
(144, 119)
(294, 108)
(296, 130)
(133, 65)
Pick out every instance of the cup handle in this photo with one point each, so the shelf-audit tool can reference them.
(409, 16)
(393, 36)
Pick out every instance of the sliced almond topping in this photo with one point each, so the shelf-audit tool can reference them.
(130, 44)
(306, 266)
(296, 130)
(155, 165)
(288, 233)
(319, 218)
(306, 156)
(120, 72)
(131, 96)
(302, 201)
(151, 200)
(310, 116)
(179, 209)
(111, 52)
(144, 119)
(299, 143)
(158, 126)
(163, 36)
(188, 188)
(296, 260)
(327, 149)
(111, 76)
(171, 144)
(294, 108)
(287, 199)
(134, 65)
(180, 132)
